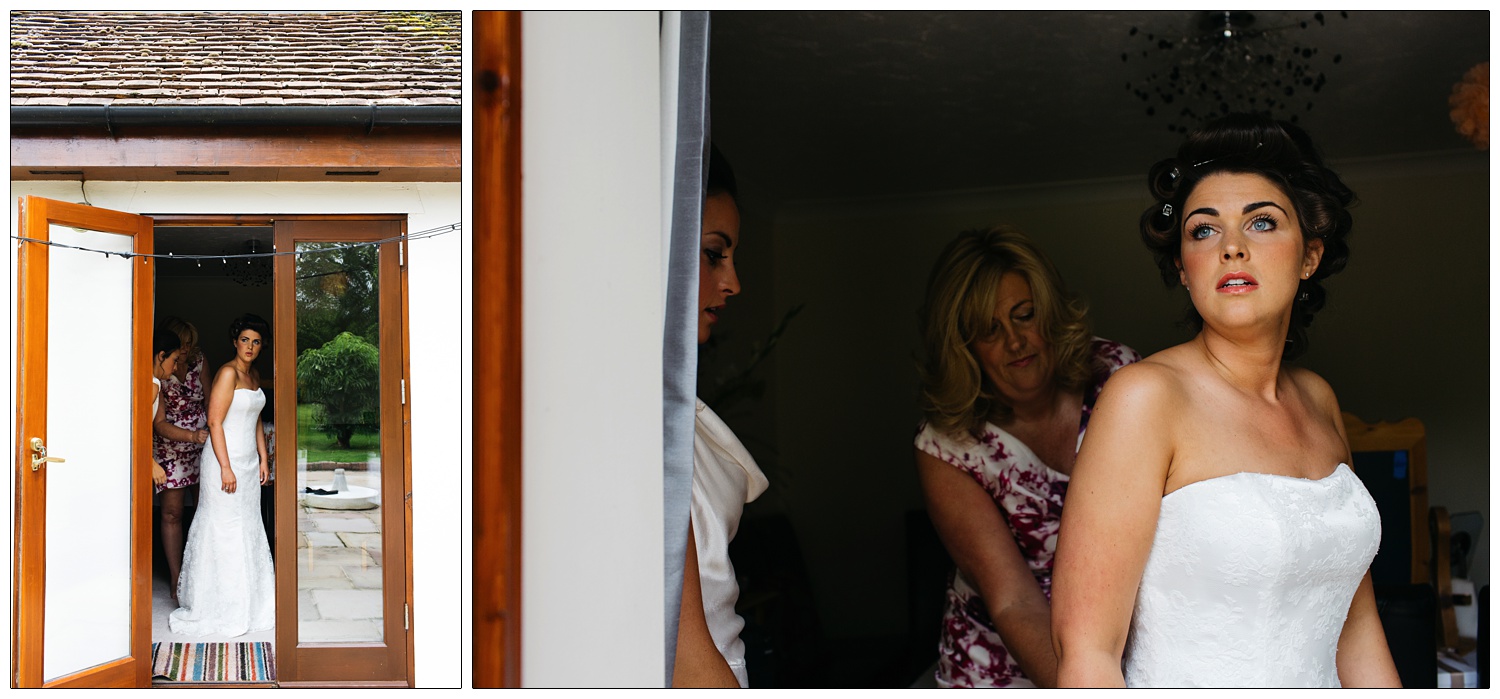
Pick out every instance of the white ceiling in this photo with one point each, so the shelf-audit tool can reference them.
(814, 105)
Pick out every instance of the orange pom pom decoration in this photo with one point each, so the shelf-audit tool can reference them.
(1470, 104)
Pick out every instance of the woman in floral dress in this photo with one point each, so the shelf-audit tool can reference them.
(1009, 378)
(179, 437)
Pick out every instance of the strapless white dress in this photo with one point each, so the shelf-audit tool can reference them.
(228, 584)
(1249, 581)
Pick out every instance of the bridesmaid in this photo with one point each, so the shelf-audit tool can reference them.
(179, 426)
(725, 477)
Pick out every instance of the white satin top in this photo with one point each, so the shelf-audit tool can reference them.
(725, 477)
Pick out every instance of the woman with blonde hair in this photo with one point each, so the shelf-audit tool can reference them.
(1009, 377)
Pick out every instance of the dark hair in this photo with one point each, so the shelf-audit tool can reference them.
(1284, 155)
(720, 175)
(164, 341)
(959, 309)
(250, 321)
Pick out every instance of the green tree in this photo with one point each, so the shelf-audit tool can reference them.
(343, 376)
(337, 291)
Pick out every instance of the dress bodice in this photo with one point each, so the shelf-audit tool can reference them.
(1249, 580)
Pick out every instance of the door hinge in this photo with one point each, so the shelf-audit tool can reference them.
(403, 391)
(401, 254)
(408, 616)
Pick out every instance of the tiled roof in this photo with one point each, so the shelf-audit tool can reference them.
(235, 58)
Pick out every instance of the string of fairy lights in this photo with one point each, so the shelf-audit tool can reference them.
(224, 258)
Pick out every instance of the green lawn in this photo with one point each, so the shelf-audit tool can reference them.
(321, 447)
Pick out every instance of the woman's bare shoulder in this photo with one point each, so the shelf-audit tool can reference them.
(1157, 376)
(226, 374)
(1315, 388)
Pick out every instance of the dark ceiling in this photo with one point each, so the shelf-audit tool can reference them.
(815, 105)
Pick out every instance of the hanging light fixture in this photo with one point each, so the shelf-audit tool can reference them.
(249, 271)
(1229, 63)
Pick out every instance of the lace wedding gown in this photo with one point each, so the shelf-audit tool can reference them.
(1249, 581)
(227, 586)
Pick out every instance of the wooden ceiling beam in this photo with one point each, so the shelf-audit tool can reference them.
(428, 154)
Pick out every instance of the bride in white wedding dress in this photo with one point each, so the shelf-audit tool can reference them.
(227, 586)
(1213, 534)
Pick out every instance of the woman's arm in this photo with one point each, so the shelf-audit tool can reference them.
(164, 427)
(158, 474)
(219, 399)
(260, 446)
(699, 662)
(1364, 659)
(1108, 521)
(982, 546)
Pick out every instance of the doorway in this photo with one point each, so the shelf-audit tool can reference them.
(334, 376)
(207, 295)
(339, 516)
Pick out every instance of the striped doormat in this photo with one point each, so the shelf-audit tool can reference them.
(213, 662)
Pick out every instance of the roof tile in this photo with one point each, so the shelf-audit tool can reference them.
(232, 58)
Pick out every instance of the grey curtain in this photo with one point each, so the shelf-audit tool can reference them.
(680, 348)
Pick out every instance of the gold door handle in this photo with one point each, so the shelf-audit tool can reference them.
(40, 457)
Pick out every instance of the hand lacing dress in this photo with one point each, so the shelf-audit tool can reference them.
(185, 408)
(1029, 495)
(228, 583)
(1249, 581)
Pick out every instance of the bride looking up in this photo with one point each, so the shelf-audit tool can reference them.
(227, 587)
(1213, 534)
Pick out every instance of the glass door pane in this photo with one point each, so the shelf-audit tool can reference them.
(89, 413)
(340, 595)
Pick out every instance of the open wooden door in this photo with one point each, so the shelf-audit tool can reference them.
(82, 558)
(343, 615)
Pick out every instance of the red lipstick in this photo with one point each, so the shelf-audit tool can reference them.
(1236, 283)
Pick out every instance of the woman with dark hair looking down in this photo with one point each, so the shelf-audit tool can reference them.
(725, 476)
(1214, 534)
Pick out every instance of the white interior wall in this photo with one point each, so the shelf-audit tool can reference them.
(435, 277)
(591, 557)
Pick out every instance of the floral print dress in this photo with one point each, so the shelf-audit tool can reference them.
(1030, 495)
(186, 408)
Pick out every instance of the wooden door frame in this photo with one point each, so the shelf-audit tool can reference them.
(335, 664)
(1409, 436)
(29, 561)
(496, 432)
(402, 291)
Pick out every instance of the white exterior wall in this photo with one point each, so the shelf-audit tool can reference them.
(591, 558)
(437, 276)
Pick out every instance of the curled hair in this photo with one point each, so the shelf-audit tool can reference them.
(720, 175)
(959, 309)
(250, 321)
(1284, 155)
(164, 341)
